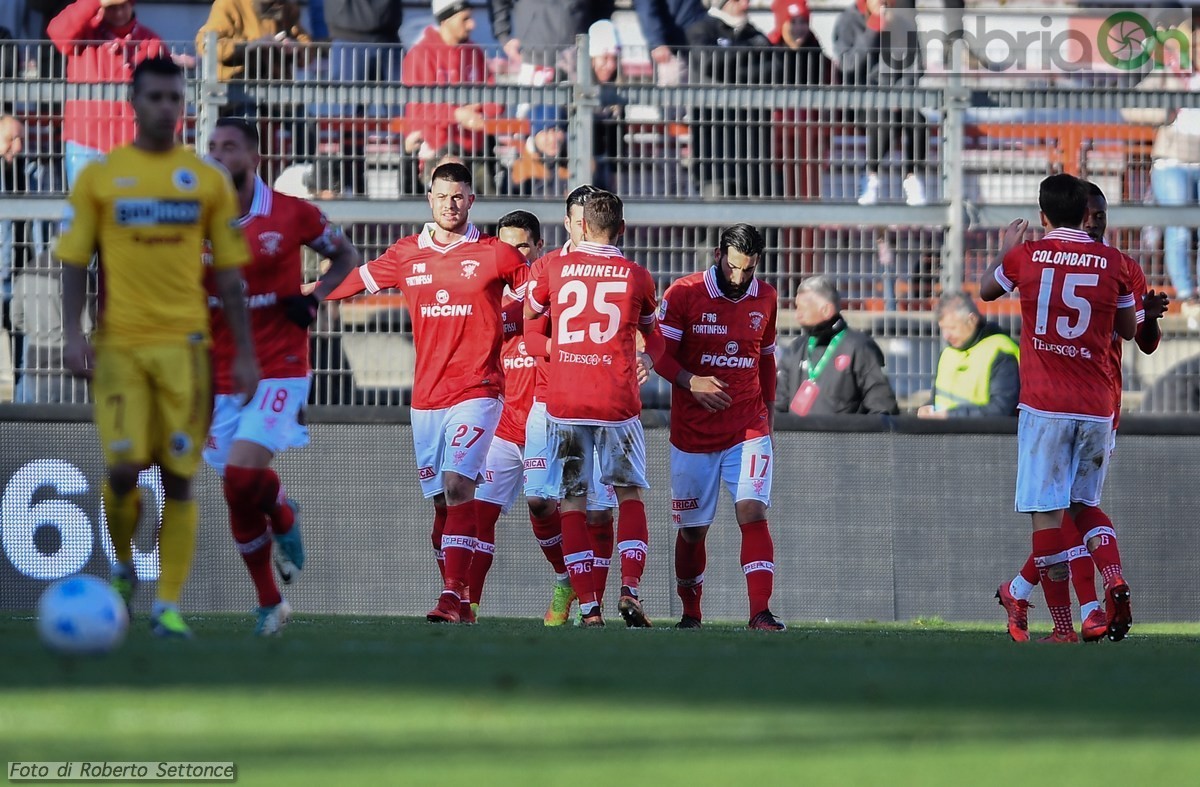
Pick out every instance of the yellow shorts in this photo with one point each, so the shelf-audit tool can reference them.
(154, 404)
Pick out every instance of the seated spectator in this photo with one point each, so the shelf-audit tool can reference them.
(830, 369)
(445, 55)
(540, 170)
(13, 180)
(977, 371)
(102, 42)
(731, 147)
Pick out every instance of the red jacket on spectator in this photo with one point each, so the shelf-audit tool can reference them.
(434, 62)
(97, 53)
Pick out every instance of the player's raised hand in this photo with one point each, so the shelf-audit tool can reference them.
(710, 393)
(1155, 304)
(1014, 234)
(79, 357)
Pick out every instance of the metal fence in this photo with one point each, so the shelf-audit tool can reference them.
(717, 136)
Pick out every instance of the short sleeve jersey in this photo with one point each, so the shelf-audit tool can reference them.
(453, 294)
(1070, 288)
(519, 372)
(148, 216)
(724, 338)
(597, 301)
(276, 229)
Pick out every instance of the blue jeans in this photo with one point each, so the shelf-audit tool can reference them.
(1178, 185)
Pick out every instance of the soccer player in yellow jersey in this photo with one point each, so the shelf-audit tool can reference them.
(147, 210)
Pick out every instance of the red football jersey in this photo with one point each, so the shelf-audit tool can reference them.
(596, 300)
(1137, 281)
(710, 334)
(1070, 288)
(541, 374)
(276, 228)
(519, 372)
(453, 294)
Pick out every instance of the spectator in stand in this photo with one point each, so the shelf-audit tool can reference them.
(541, 33)
(876, 46)
(366, 39)
(540, 170)
(665, 23)
(366, 48)
(13, 180)
(977, 373)
(604, 50)
(802, 135)
(830, 369)
(102, 42)
(445, 55)
(37, 316)
(731, 147)
(261, 40)
(256, 39)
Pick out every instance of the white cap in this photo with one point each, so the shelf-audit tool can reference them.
(603, 39)
(444, 9)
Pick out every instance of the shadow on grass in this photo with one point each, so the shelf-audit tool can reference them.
(1147, 683)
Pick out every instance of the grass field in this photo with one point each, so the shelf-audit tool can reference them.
(398, 701)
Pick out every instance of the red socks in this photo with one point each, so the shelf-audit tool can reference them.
(632, 535)
(548, 533)
(1047, 549)
(1029, 571)
(485, 547)
(1083, 570)
(690, 562)
(458, 544)
(1095, 524)
(579, 559)
(248, 522)
(758, 563)
(439, 527)
(600, 539)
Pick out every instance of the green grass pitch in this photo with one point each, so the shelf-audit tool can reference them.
(349, 701)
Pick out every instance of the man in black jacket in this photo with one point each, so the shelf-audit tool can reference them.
(830, 369)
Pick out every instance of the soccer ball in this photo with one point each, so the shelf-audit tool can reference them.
(82, 614)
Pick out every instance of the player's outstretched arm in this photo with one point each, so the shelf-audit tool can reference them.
(231, 288)
(302, 309)
(990, 287)
(77, 351)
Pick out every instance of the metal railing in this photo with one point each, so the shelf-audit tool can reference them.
(690, 156)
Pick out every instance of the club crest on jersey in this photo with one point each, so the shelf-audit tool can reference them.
(184, 179)
(468, 268)
(756, 321)
(269, 242)
(731, 348)
(442, 297)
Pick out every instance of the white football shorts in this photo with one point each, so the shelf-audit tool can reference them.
(1060, 461)
(454, 439)
(270, 419)
(619, 450)
(745, 469)
(543, 473)
(502, 475)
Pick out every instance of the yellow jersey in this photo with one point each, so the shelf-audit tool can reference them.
(148, 216)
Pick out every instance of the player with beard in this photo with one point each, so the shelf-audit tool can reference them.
(453, 279)
(246, 434)
(719, 327)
